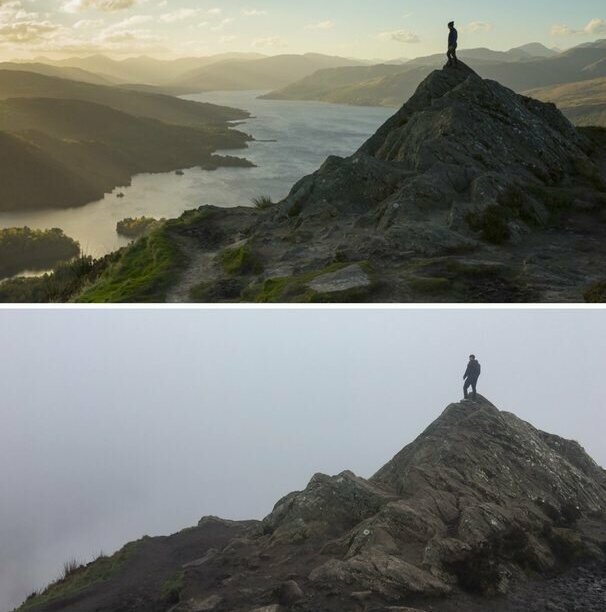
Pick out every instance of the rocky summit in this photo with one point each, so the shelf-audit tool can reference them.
(482, 512)
(469, 193)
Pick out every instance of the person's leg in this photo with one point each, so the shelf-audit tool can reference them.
(449, 56)
(454, 57)
(465, 388)
(473, 388)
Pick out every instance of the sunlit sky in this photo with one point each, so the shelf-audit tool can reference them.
(365, 28)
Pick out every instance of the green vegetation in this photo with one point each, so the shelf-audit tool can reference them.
(60, 286)
(459, 280)
(296, 289)
(77, 577)
(493, 222)
(137, 226)
(262, 202)
(26, 249)
(596, 294)
(79, 150)
(168, 109)
(142, 273)
(240, 261)
(171, 589)
(222, 290)
(430, 285)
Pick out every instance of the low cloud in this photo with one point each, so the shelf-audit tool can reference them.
(270, 41)
(478, 26)
(19, 26)
(322, 25)
(594, 27)
(253, 13)
(401, 36)
(77, 6)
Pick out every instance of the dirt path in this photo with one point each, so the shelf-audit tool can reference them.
(199, 267)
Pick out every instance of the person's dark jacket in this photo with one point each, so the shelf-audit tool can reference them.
(453, 38)
(473, 370)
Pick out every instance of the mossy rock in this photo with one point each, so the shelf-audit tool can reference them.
(430, 285)
(493, 223)
(596, 294)
(296, 288)
(171, 589)
(240, 261)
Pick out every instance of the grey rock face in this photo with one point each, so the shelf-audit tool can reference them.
(465, 167)
(479, 504)
(477, 500)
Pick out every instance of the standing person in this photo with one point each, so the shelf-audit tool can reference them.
(453, 40)
(472, 373)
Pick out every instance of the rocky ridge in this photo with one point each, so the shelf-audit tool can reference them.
(474, 514)
(470, 192)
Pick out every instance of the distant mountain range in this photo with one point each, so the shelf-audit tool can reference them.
(525, 68)
(189, 74)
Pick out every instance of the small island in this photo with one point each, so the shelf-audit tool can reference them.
(22, 249)
(137, 226)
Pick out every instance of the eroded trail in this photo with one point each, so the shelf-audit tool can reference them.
(199, 269)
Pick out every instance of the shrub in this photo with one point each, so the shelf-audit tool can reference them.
(493, 222)
(262, 202)
(22, 248)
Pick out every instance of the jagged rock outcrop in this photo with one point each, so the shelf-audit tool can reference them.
(469, 193)
(462, 518)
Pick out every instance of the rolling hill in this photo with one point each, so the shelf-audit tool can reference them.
(144, 69)
(74, 74)
(62, 153)
(380, 87)
(20, 84)
(265, 73)
(583, 102)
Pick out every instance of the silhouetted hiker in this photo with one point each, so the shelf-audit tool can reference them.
(472, 373)
(453, 40)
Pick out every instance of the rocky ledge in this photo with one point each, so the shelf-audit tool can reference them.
(481, 512)
(469, 193)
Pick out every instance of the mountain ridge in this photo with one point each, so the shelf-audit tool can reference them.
(471, 509)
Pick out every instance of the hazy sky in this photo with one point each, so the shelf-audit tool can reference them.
(117, 424)
(364, 28)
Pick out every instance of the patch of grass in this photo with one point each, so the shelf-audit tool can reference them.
(77, 577)
(493, 222)
(296, 209)
(70, 567)
(263, 202)
(143, 273)
(430, 285)
(596, 294)
(171, 589)
(296, 289)
(222, 290)
(240, 261)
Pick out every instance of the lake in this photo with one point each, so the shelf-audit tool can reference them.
(292, 140)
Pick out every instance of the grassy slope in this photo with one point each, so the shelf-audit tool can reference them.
(17, 84)
(79, 150)
(66, 72)
(142, 274)
(584, 102)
